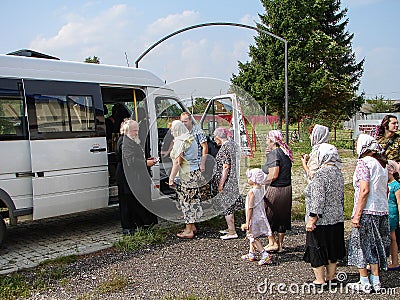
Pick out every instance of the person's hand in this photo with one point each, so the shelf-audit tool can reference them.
(305, 158)
(244, 227)
(171, 183)
(355, 222)
(310, 226)
(151, 161)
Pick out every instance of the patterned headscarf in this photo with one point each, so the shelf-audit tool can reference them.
(328, 155)
(319, 135)
(393, 167)
(367, 143)
(256, 175)
(277, 137)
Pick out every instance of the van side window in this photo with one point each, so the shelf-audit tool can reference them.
(82, 113)
(54, 115)
(11, 115)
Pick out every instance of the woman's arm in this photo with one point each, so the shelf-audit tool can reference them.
(361, 202)
(249, 211)
(273, 174)
(176, 163)
(224, 176)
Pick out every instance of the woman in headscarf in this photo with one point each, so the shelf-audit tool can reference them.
(225, 181)
(369, 239)
(278, 196)
(186, 177)
(318, 134)
(325, 216)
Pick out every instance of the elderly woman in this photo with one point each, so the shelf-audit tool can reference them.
(278, 196)
(186, 177)
(325, 216)
(225, 181)
(318, 134)
(369, 239)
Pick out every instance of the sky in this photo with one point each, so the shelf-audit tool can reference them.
(118, 32)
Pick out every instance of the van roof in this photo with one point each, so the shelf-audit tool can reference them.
(48, 69)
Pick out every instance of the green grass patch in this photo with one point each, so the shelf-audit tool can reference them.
(22, 284)
(115, 284)
(141, 239)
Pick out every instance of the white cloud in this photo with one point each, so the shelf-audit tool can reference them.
(81, 37)
(172, 22)
(249, 20)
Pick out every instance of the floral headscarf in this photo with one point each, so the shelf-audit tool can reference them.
(367, 143)
(277, 137)
(319, 135)
(328, 155)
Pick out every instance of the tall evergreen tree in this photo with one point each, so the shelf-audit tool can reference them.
(323, 72)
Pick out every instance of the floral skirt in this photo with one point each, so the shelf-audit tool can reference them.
(370, 244)
(191, 192)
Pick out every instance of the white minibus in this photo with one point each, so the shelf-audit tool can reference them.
(59, 123)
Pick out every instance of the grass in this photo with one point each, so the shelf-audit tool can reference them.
(141, 239)
(22, 284)
(115, 284)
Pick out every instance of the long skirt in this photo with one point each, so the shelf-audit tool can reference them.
(190, 195)
(325, 243)
(370, 244)
(278, 206)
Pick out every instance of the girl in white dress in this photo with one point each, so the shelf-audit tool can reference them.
(256, 220)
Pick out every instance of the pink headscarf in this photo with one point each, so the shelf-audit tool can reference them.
(277, 137)
(256, 175)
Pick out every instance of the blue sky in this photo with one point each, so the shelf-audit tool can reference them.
(74, 30)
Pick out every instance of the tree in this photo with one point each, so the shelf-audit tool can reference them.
(380, 104)
(323, 73)
(92, 60)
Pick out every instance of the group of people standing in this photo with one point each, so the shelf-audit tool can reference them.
(376, 198)
(375, 215)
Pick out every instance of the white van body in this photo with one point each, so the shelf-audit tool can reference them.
(55, 157)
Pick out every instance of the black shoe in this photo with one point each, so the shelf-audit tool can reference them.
(128, 231)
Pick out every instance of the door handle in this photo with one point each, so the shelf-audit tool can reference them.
(98, 150)
(24, 174)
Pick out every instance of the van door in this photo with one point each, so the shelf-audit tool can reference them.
(15, 166)
(68, 155)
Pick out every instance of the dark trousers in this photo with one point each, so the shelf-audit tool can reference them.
(133, 213)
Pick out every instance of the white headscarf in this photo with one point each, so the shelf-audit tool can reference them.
(319, 135)
(182, 138)
(328, 155)
(367, 143)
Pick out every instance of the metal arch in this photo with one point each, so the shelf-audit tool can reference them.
(235, 25)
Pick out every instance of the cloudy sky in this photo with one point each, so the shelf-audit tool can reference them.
(120, 31)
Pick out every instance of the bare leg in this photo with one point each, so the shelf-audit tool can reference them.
(272, 242)
(319, 275)
(258, 245)
(394, 250)
(374, 270)
(281, 236)
(331, 270)
(230, 220)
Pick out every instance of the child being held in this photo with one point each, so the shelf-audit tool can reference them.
(256, 220)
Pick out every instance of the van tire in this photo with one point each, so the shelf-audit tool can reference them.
(3, 230)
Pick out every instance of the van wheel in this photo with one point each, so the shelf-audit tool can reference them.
(3, 230)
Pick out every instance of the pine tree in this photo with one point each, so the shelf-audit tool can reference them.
(323, 73)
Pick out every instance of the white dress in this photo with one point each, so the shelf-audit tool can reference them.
(259, 225)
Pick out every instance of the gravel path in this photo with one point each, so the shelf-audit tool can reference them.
(205, 268)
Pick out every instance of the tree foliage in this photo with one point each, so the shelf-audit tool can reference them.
(322, 70)
(92, 60)
(380, 104)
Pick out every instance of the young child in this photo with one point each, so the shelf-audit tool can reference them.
(394, 202)
(256, 220)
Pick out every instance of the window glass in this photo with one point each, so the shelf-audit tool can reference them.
(81, 112)
(51, 113)
(219, 114)
(11, 114)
